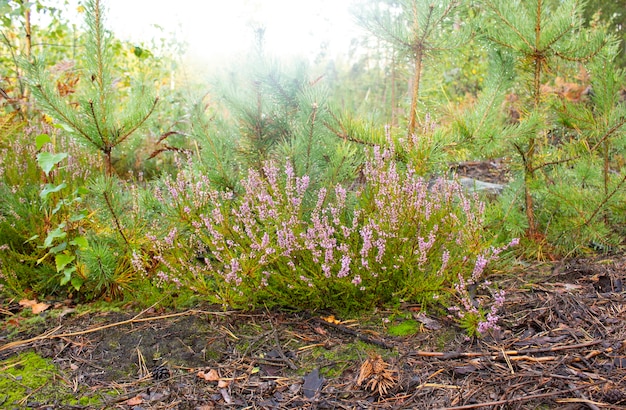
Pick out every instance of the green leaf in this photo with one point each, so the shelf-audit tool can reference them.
(47, 160)
(77, 282)
(82, 191)
(67, 275)
(79, 216)
(59, 248)
(49, 189)
(81, 242)
(41, 140)
(54, 234)
(62, 260)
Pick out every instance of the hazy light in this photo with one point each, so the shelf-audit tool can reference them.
(216, 28)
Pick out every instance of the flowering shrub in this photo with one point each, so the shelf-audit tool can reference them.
(476, 315)
(397, 237)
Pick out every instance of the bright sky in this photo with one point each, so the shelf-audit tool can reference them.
(215, 28)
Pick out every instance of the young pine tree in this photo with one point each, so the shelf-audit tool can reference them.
(417, 30)
(539, 34)
(100, 119)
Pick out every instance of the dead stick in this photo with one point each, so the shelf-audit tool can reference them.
(516, 399)
(354, 333)
(457, 355)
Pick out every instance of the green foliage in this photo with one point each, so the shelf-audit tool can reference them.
(546, 132)
(283, 115)
(99, 119)
(415, 29)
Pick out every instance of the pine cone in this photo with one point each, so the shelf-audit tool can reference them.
(160, 373)
(614, 396)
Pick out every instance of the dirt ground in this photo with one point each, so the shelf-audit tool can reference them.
(562, 346)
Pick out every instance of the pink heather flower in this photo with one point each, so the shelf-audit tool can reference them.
(169, 239)
(479, 267)
(445, 258)
(136, 261)
(357, 280)
(326, 270)
(366, 236)
(302, 184)
(380, 245)
(345, 266)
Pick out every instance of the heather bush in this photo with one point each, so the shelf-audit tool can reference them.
(395, 237)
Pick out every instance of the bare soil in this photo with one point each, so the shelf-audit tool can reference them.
(562, 346)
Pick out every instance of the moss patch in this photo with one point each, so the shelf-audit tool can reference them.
(29, 378)
(405, 328)
(23, 378)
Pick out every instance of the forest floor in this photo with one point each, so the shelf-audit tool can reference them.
(562, 346)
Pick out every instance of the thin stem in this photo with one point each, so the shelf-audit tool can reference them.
(107, 200)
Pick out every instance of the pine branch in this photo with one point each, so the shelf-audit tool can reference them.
(138, 124)
(109, 204)
(604, 202)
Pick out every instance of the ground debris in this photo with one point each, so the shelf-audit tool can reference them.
(562, 346)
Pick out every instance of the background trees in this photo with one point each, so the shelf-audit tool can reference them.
(184, 190)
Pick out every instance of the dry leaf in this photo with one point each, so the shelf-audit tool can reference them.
(37, 307)
(134, 401)
(211, 376)
(331, 319)
(320, 331)
(223, 383)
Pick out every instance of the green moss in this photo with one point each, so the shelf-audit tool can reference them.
(404, 328)
(29, 377)
(22, 377)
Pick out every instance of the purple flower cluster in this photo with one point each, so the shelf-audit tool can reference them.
(480, 315)
(397, 236)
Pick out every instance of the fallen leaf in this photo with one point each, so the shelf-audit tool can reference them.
(428, 323)
(211, 376)
(331, 319)
(223, 383)
(320, 331)
(37, 307)
(226, 396)
(312, 383)
(134, 401)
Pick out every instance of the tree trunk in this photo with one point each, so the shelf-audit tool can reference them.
(416, 90)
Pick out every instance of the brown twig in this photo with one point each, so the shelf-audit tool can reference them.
(457, 355)
(352, 332)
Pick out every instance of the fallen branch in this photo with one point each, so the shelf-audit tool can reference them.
(136, 319)
(502, 354)
(353, 332)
